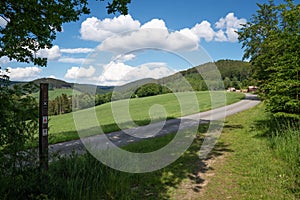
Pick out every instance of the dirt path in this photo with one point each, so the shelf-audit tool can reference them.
(194, 187)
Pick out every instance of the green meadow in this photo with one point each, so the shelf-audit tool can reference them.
(251, 160)
(167, 106)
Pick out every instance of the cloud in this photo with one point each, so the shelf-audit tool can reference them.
(80, 72)
(118, 73)
(114, 73)
(73, 60)
(148, 38)
(230, 24)
(55, 54)
(155, 34)
(220, 36)
(230, 21)
(150, 70)
(23, 74)
(52, 53)
(52, 76)
(98, 30)
(204, 30)
(77, 50)
(124, 58)
(155, 24)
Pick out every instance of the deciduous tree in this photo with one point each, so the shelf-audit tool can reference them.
(31, 25)
(272, 42)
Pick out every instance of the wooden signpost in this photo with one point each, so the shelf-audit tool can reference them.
(43, 126)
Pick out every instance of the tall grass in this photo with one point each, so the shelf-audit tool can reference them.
(84, 177)
(283, 135)
(285, 140)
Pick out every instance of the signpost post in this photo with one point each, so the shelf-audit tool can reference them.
(43, 126)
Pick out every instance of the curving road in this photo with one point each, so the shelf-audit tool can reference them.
(121, 138)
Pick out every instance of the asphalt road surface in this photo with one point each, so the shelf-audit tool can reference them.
(121, 138)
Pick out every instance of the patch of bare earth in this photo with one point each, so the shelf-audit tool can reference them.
(195, 184)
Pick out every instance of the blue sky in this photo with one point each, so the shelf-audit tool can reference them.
(156, 39)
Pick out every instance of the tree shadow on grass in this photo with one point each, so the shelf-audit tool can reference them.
(113, 184)
(69, 177)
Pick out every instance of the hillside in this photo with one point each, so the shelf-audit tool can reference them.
(234, 73)
(58, 92)
(55, 84)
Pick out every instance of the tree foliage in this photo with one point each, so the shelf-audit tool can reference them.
(272, 42)
(32, 24)
(18, 124)
(233, 73)
(151, 89)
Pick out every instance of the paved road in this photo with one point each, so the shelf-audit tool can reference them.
(121, 138)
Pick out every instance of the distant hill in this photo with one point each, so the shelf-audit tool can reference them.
(58, 92)
(233, 72)
(60, 84)
(54, 83)
(238, 73)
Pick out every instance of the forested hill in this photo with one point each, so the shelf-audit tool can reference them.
(234, 68)
(54, 83)
(60, 84)
(234, 73)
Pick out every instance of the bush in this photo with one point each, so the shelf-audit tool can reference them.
(151, 89)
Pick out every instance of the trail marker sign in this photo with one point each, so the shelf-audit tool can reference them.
(43, 126)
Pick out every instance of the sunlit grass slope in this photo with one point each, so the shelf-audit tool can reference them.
(140, 110)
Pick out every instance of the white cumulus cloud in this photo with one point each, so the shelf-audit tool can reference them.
(155, 34)
(24, 74)
(114, 73)
(220, 36)
(118, 73)
(155, 23)
(80, 72)
(150, 70)
(204, 30)
(230, 24)
(148, 38)
(98, 30)
(52, 54)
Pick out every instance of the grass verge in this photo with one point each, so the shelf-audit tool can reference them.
(263, 162)
(249, 164)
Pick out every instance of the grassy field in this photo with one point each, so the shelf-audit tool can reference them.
(62, 127)
(58, 92)
(246, 163)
